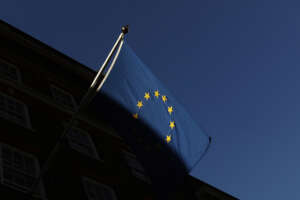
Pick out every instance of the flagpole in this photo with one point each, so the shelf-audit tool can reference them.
(121, 36)
(84, 102)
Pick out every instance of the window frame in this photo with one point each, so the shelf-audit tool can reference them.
(91, 143)
(16, 186)
(86, 179)
(18, 73)
(26, 112)
(135, 166)
(73, 102)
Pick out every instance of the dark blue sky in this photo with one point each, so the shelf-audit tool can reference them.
(235, 65)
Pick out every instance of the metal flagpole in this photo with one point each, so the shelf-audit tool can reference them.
(84, 102)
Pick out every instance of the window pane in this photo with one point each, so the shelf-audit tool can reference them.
(97, 191)
(81, 141)
(107, 194)
(12, 110)
(8, 71)
(7, 156)
(18, 161)
(132, 162)
(29, 166)
(63, 97)
(19, 170)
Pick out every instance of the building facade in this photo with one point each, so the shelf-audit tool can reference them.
(40, 89)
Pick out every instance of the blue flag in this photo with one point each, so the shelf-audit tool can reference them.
(166, 140)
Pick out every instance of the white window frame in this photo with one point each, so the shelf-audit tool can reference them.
(6, 116)
(18, 187)
(18, 74)
(91, 143)
(136, 168)
(86, 179)
(73, 102)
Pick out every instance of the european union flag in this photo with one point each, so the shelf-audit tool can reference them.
(166, 140)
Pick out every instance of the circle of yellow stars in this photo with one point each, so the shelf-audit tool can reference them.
(157, 95)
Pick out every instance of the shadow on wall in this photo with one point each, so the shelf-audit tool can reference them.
(166, 170)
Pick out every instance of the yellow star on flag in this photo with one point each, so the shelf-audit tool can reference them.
(168, 138)
(139, 104)
(170, 109)
(164, 98)
(147, 96)
(135, 116)
(172, 124)
(156, 93)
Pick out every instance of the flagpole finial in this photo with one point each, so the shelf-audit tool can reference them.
(125, 29)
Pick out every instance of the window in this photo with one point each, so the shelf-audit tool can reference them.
(14, 110)
(136, 168)
(18, 169)
(82, 142)
(98, 191)
(9, 71)
(63, 97)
